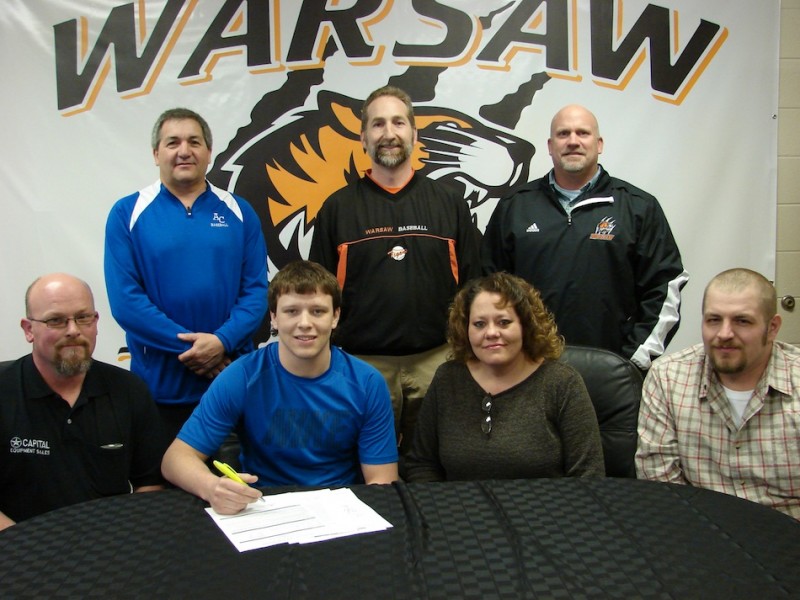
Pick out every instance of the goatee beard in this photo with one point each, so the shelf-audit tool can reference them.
(69, 367)
(727, 369)
(389, 160)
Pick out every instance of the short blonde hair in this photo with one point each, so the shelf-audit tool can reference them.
(739, 279)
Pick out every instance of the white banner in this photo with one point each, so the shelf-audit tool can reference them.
(685, 93)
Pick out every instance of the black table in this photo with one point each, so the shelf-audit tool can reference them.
(556, 538)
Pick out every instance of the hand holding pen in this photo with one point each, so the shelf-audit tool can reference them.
(230, 499)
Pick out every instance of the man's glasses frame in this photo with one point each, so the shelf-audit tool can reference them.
(84, 320)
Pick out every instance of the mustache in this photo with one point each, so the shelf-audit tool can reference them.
(79, 342)
(726, 346)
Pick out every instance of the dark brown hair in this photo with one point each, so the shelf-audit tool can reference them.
(179, 114)
(303, 277)
(540, 338)
(388, 90)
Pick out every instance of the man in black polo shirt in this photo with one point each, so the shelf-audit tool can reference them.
(71, 428)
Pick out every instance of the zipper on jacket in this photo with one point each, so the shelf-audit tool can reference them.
(188, 211)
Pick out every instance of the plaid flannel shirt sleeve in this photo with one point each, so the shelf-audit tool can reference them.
(657, 452)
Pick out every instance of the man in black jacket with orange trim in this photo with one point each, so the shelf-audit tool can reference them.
(400, 245)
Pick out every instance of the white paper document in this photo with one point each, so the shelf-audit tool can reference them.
(299, 518)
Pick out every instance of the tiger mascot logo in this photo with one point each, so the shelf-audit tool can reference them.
(289, 158)
(289, 169)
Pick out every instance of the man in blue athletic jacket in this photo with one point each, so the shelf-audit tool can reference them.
(306, 413)
(185, 269)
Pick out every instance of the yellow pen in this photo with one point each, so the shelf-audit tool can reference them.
(228, 471)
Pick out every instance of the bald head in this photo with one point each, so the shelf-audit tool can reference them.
(575, 113)
(61, 325)
(574, 146)
(56, 284)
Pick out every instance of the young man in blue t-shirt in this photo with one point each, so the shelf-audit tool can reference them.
(306, 413)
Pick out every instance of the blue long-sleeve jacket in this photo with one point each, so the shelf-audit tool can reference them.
(169, 271)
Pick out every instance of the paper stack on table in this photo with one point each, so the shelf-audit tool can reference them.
(299, 518)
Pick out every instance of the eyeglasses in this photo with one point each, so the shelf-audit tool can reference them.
(486, 423)
(62, 322)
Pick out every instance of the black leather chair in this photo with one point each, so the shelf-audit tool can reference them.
(615, 387)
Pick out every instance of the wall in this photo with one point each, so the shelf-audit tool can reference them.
(787, 277)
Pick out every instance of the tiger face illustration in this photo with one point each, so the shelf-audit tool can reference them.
(288, 168)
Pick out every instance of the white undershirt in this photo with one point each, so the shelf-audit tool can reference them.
(738, 401)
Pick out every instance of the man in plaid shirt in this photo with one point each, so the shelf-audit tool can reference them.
(725, 414)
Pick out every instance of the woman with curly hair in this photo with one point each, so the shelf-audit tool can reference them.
(504, 407)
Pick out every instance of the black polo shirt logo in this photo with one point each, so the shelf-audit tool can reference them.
(19, 445)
